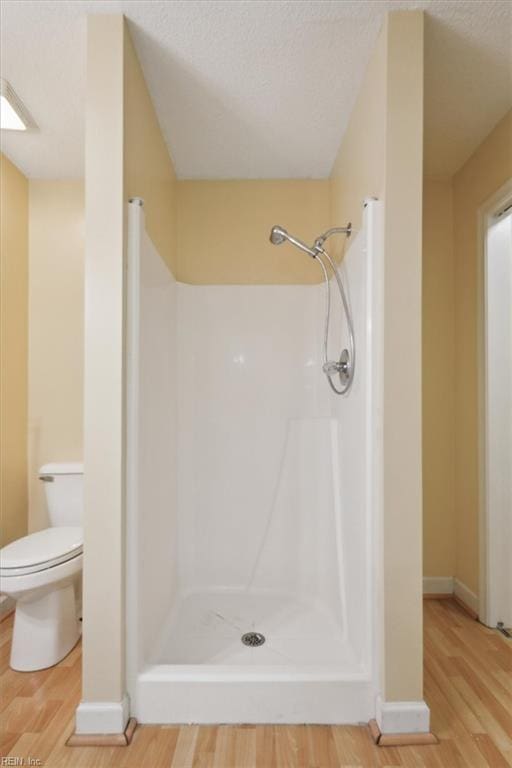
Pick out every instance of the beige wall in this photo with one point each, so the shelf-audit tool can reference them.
(479, 178)
(450, 357)
(13, 349)
(103, 594)
(381, 155)
(56, 332)
(360, 166)
(148, 169)
(439, 528)
(402, 500)
(224, 228)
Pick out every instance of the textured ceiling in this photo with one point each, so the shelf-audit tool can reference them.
(258, 88)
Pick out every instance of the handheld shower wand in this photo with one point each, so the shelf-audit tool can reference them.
(279, 235)
(345, 366)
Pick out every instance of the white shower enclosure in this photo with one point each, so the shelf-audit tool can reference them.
(253, 495)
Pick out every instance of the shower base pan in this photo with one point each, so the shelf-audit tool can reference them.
(301, 669)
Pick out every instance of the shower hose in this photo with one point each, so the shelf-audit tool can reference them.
(344, 368)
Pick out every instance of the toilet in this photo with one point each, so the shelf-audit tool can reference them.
(42, 572)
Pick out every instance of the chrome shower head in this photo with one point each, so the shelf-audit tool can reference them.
(278, 235)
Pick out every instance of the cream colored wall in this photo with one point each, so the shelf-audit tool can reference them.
(148, 168)
(402, 500)
(224, 228)
(381, 155)
(450, 369)
(360, 166)
(481, 176)
(438, 308)
(13, 351)
(56, 332)
(103, 580)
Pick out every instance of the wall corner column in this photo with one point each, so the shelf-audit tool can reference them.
(104, 707)
(401, 706)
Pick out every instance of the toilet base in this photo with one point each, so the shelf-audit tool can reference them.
(46, 628)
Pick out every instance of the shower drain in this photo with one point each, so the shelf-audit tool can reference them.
(253, 639)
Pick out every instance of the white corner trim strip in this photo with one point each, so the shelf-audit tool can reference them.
(402, 716)
(466, 595)
(438, 585)
(99, 717)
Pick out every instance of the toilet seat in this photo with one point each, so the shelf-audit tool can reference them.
(41, 550)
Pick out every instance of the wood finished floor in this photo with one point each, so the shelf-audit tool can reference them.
(468, 686)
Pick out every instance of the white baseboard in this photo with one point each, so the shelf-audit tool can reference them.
(97, 717)
(402, 716)
(438, 585)
(468, 597)
(448, 585)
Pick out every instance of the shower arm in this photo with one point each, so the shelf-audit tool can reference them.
(319, 242)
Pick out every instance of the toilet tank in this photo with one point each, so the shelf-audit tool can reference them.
(63, 485)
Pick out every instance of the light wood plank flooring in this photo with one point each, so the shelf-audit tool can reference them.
(468, 685)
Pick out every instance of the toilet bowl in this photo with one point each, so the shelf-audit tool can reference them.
(42, 573)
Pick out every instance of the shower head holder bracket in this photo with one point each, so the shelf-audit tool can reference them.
(341, 367)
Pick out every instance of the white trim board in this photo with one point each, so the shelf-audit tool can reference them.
(100, 717)
(438, 585)
(464, 594)
(402, 716)
(448, 585)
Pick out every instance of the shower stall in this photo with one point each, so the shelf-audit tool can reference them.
(253, 494)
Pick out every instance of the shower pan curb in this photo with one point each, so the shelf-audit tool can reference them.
(173, 698)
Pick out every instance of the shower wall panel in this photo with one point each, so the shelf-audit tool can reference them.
(152, 398)
(248, 378)
(357, 419)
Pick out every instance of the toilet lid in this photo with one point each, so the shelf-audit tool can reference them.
(41, 550)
